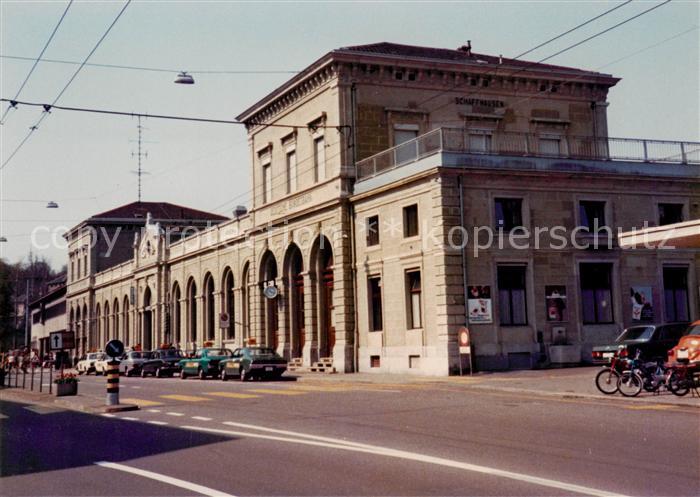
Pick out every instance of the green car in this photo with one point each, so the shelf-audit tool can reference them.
(204, 363)
(248, 362)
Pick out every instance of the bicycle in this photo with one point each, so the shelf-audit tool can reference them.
(607, 379)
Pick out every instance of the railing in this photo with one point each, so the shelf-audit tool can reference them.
(530, 145)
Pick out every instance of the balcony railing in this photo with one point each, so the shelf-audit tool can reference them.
(529, 145)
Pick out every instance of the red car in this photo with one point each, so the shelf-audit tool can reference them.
(688, 346)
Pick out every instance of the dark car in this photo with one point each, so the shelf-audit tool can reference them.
(162, 362)
(249, 362)
(653, 340)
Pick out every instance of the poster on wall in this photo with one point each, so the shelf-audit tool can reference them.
(479, 304)
(555, 300)
(640, 298)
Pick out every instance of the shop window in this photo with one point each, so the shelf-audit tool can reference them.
(670, 214)
(591, 212)
(596, 293)
(413, 299)
(676, 294)
(511, 295)
(410, 221)
(372, 227)
(375, 303)
(509, 213)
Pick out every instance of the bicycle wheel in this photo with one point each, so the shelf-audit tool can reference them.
(606, 381)
(678, 384)
(630, 384)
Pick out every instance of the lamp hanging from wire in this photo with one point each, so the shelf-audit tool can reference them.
(184, 79)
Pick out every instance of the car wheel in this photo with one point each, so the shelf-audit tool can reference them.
(224, 376)
(201, 374)
(183, 375)
(243, 375)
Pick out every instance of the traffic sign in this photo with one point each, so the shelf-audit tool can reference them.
(270, 292)
(224, 320)
(464, 345)
(114, 348)
(56, 340)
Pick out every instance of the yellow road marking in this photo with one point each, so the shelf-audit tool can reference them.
(232, 395)
(654, 407)
(310, 388)
(276, 392)
(184, 398)
(140, 402)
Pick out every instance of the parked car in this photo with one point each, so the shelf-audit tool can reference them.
(249, 362)
(101, 364)
(690, 341)
(163, 362)
(87, 363)
(131, 362)
(653, 340)
(204, 363)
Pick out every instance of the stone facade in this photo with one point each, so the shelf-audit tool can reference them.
(298, 272)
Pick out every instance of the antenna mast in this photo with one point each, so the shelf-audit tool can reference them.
(139, 155)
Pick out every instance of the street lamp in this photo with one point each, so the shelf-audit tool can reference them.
(52, 205)
(184, 79)
(2, 239)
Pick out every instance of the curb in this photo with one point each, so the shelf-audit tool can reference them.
(80, 403)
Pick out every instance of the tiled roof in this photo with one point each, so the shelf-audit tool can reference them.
(453, 56)
(158, 210)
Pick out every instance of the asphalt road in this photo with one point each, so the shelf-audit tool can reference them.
(347, 438)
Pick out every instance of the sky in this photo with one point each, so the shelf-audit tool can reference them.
(84, 162)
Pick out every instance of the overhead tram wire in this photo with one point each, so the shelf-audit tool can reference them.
(47, 109)
(36, 62)
(149, 69)
(531, 64)
(169, 116)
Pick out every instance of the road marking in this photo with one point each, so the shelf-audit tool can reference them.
(176, 482)
(141, 402)
(232, 395)
(184, 398)
(296, 434)
(153, 410)
(400, 454)
(159, 423)
(174, 414)
(201, 418)
(129, 418)
(276, 392)
(107, 415)
(136, 388)
(653, 407)
(2, 416)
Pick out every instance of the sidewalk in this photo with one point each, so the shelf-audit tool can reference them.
(577, 382)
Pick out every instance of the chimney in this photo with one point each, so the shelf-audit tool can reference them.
(466, 48)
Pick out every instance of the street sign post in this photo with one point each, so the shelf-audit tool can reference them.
(56, 340)
(465, 348)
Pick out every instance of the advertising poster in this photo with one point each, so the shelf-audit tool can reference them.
(555, 300)
(642, 309)
(479, 304)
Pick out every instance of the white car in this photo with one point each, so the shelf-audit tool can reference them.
(87, 365)
(102, 364)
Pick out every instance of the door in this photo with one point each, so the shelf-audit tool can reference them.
(328, 328)
(299, 316)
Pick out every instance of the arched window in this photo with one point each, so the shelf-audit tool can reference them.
(209, 318)
(175, 315)
(228, 303)
(192, 310)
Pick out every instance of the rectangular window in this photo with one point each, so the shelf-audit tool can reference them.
(670, 214)
(72, 269)
(404, 151)
(550, 145)
(511, 295)
(676, 294)
(267, 183)
(78, 268)
(291, 171)
(509, 213)
(319, 159)
(596, 293)
(479, 141)
(85, 265)
(372, 227)
(375, 303)
(410, 221)
(591, 211)
(413, 298)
